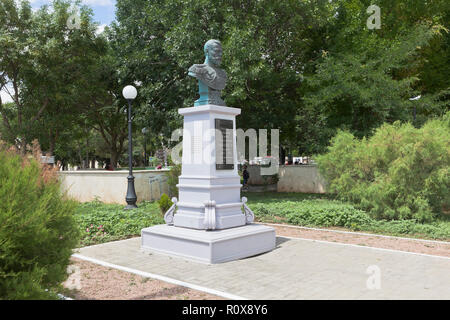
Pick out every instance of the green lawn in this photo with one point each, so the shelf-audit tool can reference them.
(101, 223)
(322, 211)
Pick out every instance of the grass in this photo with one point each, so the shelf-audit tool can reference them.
(322, 211)
(100, 223)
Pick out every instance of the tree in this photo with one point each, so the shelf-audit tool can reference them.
(266, 44)
(69, 59)
(49, 68)
(367, 77)
(16, 25)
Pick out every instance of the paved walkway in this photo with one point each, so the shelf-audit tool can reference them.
(297, 269)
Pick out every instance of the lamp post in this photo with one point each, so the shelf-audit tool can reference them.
(130, 93)
(144, 132)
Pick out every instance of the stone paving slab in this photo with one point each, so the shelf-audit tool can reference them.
(296, 269)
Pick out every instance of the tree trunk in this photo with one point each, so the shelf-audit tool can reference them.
(80, 156)
(87, 151)
(52, 144)
(114, 158)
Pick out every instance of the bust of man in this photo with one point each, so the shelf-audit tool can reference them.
(211, 79)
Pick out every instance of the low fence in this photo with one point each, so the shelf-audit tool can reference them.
(302, 179)
(295, 178)
(111, 186)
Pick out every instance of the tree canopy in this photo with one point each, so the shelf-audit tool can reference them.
(308, 68)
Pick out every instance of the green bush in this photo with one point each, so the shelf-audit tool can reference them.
(165, 203)
(172, 179)
(316, 212)
(99, 222)
(325, 213)
(399, 173)
(37, 229)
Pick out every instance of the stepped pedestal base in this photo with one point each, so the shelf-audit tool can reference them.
(209, 246)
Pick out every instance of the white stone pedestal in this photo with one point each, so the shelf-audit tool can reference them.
(200, 180)
(209, 224)
(209, 246)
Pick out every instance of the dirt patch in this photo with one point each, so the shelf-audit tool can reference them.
(416, 246)
(90, 281)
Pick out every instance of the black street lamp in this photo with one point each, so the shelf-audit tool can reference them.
(144, 132)
(130, 93)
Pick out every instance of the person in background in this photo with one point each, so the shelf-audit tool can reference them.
(109, 167)
(246, 176)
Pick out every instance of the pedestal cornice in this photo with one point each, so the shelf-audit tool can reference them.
(210, 108)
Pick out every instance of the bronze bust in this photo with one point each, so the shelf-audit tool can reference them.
(211, 79)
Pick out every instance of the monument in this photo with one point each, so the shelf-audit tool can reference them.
(210, 222)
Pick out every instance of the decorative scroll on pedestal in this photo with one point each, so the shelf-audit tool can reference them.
(210, 215)
(249, 215)
(168, 217)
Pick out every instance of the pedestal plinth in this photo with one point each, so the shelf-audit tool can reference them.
(209, 170)
(209, 246)
(209, 223)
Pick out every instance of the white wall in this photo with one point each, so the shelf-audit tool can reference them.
(304, 179)
(111, 186)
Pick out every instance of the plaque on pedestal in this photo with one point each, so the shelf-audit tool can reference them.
(224, 144)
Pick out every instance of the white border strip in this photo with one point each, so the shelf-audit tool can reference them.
(63, 297)
(366, 247)
(159, 277)
(356, 233)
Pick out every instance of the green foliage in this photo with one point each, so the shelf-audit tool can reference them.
(99, 223)
(320, 211)
(360, 91)
(50, 70)
(172, 179)
(37, 230)
(164, 203)
(399, 173)
(68, 82)
(265, 48)
(305, 67)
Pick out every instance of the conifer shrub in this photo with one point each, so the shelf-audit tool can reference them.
(172, 179)
(37, 228)
(401, 172)
(164, 203)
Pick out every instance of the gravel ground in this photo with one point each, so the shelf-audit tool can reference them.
(95, 282)
(417, 246)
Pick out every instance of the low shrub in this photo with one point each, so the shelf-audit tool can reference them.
(37, 229)
(399, 173)
(334, 213)
(164, 203)
(172, 179)
(325, 213)
(100, 223)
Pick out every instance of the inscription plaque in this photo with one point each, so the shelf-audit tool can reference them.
(224, 145)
